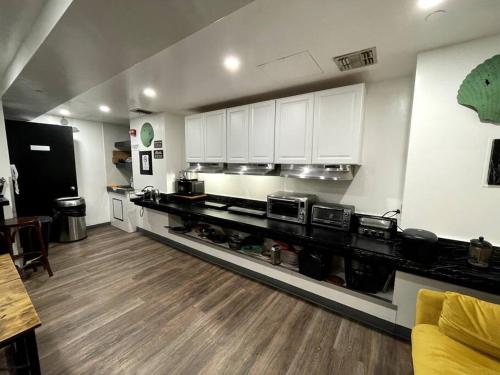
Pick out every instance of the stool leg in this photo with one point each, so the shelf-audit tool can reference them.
(43, 250)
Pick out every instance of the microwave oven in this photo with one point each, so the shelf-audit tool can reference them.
(287, 206)
(332, 215)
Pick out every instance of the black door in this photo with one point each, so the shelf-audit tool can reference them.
(45, 160)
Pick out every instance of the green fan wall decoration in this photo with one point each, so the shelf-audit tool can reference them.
(147, 134)
(480, 90)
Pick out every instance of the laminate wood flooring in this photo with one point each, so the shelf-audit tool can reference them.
(122, 303)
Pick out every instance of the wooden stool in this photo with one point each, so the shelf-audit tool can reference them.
(8, 230)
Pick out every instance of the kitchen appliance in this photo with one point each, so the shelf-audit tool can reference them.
(246, 211)
(234, 242)
(189, 187)
(367, 277)
(188, 175)
(215, 205)
(333, 172)
(206, 167)
(252, 169)
(314, 263)
(480, 252)
(150, 194)
(419, 245)
(288, 206)
(275, 254)
(377, 226)
(332, 215)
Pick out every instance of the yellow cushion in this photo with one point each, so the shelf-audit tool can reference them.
(471, 321)
(434, 353)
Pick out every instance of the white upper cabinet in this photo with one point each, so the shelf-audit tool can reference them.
(195, 134)
(215, 136)
(261, 132)
(294, 126)
(237, 134)
(338, 123)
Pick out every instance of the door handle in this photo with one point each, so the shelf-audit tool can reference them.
(72, 188)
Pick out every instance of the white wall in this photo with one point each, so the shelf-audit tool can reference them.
(377, 186)
(5, 165)
(170, 130)
(448, 149)
(114, 133)
(90, 166)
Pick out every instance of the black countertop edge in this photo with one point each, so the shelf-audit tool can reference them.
(4, 202)
(451, 267)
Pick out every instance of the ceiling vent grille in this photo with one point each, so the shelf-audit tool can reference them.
(141, 111)
(356, 59)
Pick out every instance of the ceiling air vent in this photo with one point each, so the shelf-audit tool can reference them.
(141, 111)
(356, 59)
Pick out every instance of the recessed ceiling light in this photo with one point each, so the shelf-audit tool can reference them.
(149, 92)
(64, 112)
(232, 63)
(104, 108)
(426, 4)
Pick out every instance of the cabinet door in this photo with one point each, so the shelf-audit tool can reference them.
(237, 135)
(195, 145)
(338, 122)
(215, 136)
(294, 122)
(261, 132)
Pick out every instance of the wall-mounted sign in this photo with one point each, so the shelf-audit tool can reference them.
(147, 134)
(158, 154)
(158, 144)
(39, 148)
(146, 163)
(494, 170)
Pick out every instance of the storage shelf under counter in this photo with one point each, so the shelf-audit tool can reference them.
(381, 297)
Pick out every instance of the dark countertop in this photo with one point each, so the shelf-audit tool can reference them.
(4, 202)
(451, 265)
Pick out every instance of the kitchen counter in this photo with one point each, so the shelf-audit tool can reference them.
(123, 190)
(451, 266)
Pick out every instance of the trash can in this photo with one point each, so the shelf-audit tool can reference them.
(69, 219)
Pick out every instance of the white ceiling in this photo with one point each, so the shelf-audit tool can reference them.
(95, 40)
(16, 20)
(189, 74)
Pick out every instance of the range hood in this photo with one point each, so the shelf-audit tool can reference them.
(252, 169)
(337, 172)
(205, 167)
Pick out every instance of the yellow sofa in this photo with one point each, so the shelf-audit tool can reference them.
(475, 344)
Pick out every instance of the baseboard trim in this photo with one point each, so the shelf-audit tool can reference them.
(98, 225)
(346, 311)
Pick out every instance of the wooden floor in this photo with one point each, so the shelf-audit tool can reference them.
(124, 303)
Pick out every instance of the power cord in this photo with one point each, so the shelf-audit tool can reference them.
(395, 212)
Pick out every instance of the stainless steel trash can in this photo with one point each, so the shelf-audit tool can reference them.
(69, 219)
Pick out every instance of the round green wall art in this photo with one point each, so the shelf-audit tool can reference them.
(147, 134)
(480, 90)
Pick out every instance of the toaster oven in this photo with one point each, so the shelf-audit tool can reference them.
(287, 206)
(332, 215)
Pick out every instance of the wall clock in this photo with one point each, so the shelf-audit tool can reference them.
(480, 90)
(147, 134)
